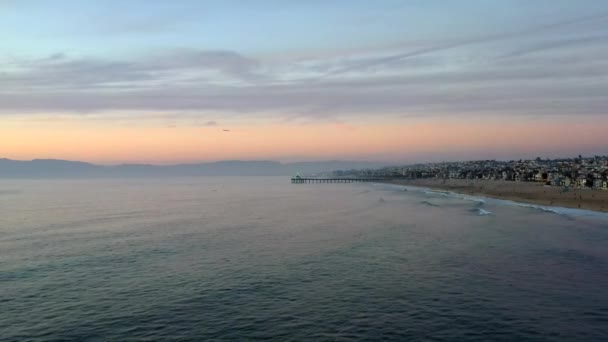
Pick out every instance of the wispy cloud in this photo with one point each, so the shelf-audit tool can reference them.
(557, 44)
(59, 71)
(435, 80)
(479, 40)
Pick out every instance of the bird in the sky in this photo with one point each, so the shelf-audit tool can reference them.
(226, 130)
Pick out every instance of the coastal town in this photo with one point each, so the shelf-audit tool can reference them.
(580, 172)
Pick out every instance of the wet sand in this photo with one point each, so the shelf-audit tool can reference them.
(528, 192)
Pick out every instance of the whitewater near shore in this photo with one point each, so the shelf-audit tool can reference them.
(535, 193)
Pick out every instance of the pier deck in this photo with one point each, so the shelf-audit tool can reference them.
(300, 180)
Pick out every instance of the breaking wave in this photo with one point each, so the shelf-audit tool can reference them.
(481, 212)
(430, 204)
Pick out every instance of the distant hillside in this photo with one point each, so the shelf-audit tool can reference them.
(51, 168)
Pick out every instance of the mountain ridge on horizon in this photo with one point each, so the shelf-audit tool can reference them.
(59, 168)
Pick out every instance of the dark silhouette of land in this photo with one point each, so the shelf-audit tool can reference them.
(52, 168)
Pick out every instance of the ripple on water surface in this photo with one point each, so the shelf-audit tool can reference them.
(261, 258)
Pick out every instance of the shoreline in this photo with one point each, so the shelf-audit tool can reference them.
(525, 192)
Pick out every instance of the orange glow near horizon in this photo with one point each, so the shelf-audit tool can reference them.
(398, 141)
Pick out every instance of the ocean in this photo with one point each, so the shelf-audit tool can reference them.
(229, 258)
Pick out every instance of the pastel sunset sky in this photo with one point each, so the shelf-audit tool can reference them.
(163, 82)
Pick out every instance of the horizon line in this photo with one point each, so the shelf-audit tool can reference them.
(387, 163)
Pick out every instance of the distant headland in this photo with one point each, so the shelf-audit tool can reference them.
(53, 168)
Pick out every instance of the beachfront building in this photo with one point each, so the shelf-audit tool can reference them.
(598, 183)
(591, 173)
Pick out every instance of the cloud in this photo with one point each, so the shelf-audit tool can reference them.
(482, 79)
(537, 87)
(460, 43)
(209, 124)
(556, 44)
(58, 71)
(228, 62)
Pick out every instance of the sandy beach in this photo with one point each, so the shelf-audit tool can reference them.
(535, 193)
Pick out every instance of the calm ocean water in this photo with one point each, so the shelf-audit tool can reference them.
(259, 258)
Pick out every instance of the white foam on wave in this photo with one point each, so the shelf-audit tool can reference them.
(437, 192)
(454, 195)
(482, 212)
(553, 210)
(566, 212)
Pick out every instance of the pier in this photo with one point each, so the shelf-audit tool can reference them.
(301, 180)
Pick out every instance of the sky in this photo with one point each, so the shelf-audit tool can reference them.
(150, 81)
